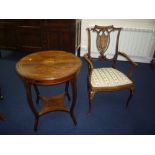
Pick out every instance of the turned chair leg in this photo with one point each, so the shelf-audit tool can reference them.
(130, 96)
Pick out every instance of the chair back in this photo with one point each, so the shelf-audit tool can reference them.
(107, 39)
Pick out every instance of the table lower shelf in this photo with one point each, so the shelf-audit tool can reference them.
(53, 103)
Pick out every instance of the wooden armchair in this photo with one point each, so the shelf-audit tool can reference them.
(107, 78)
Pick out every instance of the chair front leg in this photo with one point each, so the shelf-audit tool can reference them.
(91, 94)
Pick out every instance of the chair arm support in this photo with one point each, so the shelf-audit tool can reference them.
(90, 66)
(134, 65)
(89, 61)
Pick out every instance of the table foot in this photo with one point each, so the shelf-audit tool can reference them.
(73, 118)
(36, 123)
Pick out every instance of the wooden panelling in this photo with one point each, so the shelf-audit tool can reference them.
(32, 35)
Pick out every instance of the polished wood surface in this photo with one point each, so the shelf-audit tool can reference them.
(32, 35)
(49, 68)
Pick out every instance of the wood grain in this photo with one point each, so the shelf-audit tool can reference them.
(48, 66)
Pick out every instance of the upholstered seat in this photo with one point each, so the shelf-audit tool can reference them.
(108, 77)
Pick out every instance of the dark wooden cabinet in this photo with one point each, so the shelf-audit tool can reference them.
(31, 35)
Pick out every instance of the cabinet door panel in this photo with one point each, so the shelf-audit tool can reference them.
(8, 34)
(29, 38)
(11, 38)
(60, 40)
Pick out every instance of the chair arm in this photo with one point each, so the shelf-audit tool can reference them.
(134, 65)
(89, 61)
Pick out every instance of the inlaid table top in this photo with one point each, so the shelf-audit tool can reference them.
(48, 66)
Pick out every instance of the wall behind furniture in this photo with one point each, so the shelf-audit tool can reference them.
(137, 38)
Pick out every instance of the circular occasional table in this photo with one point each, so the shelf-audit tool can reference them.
(49, 68)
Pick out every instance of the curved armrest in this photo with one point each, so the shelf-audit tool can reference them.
(134, 65)
(89, 61)
(90, 66)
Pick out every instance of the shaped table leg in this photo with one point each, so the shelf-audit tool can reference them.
(74, 94)
(31, 104)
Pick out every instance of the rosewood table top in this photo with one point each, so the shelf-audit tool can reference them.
(49, 66)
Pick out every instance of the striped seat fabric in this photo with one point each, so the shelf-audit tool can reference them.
(108, 77)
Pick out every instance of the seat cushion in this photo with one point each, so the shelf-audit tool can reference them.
(108, 77)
